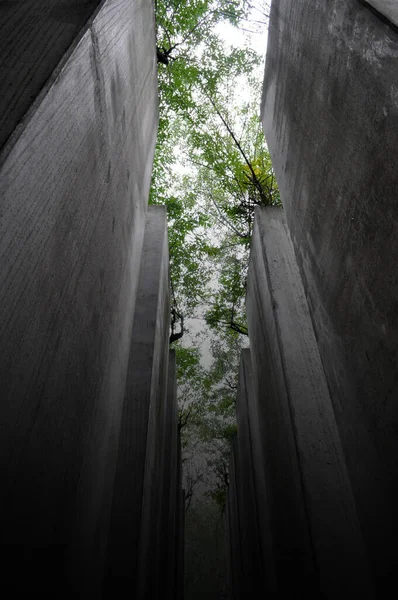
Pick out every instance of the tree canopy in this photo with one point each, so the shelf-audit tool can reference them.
(211, 169)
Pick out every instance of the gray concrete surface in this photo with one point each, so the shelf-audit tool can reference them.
(257, 563)
(226, 525)
(180, 534)
(388, 8)
(158, 566)
(73, 194)
(180, 529)
(35, 35)
(170, 518)
(252, 411)
(234, 538)
(316, 536)
(330, 115)
(138, 485)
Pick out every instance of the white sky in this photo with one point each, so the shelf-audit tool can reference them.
(236, 37)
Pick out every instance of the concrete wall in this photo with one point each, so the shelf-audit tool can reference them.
(290, 503)
(314, 528)
(141, 534)
(330, 115)
(74, 179)
(258, 569)
(170, 543)
(35, 37)
(387, 8)
(237, 580)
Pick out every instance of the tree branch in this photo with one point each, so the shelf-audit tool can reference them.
(226, 221)
(176, 317)
(238, 145)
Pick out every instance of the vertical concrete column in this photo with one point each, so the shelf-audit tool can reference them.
(229, 548)
(257, 559)
(334, 160)
(181, 547)
(80, 116)
(136, 488)
(234, 528)
(315, 532)
(166, 546)
(179, 570)
(163, 516)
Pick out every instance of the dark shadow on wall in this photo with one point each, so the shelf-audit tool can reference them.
(379, 15)
(28, 31)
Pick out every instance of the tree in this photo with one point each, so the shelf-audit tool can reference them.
(194, 77)
(227, 307)
(224, 171)
(233, 175)
(182, 25)
(191, 54)
(211, 210)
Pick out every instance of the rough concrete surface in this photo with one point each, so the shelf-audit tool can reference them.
(34, 37)
(73, 194)
(235, 544)
(180, 568)
(330, 115)
(388, 8)
(229, 559)
(259, 469)
(168, 543)
(311, 503)
(257, 560)
(137, 486)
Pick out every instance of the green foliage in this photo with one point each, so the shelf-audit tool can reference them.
(189, 245)
(188, 363)
(212, 132)
(197, 57)
(227, 308)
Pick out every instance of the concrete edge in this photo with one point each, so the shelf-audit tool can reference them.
(51, 81)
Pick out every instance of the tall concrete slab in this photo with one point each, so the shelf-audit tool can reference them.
(257, 554)
(168, 542)
(315, 533)
(180, 564)
(138, 486)
(163, 501)
(330, 115)
(386, 8)
(229, 548)
(74, 181)
(236, 558)
(252, 565)
(34, 38)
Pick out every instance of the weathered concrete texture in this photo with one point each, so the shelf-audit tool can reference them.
(73, 194)
(180, 566)
(314, 529)
(229, 549)
(256, 547)
(167, 543)
(176, 542)
(137, 485)
(34, 37)
(160, 565)
(388, 8)
(234, 538)
(330, 114)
